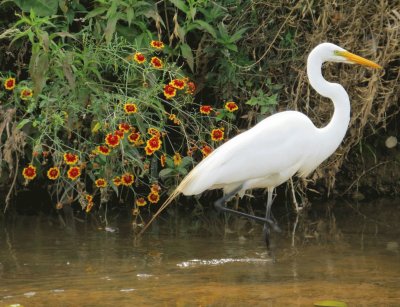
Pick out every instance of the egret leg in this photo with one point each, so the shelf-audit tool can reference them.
(220, 207)
(275, 227)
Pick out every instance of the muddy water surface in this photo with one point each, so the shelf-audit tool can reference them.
(43, 265)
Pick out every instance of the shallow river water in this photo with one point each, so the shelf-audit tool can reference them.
(43, 265)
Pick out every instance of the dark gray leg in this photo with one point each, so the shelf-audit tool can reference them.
(219, 205)
(275, 227)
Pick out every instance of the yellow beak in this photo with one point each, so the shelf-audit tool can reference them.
(358, 60)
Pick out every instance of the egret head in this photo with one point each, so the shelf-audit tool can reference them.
(333, 53)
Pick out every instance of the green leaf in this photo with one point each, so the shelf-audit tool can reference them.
(40, 7)
(330, 303)
(129, 15)
(188, 55)
(95, 12)
(207, 27)
(232, 47)
(23, 122)
(181, 5)
(166, 172)
(110, 29)
(237, 35)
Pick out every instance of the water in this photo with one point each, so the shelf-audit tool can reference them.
(358, 262)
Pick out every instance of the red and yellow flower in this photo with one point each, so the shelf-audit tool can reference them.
(103, 149)
(153, 197)
(74, 172)
(119, 133)
(140, 202)
(125, 127)
(134, 137)
(163, 160)
(156, 62)
(117, 181)
(139, 58)
(70, 158)
(101, 183)
(112, 140)
(154, 143)
(29, 172)
(217, 134)
(89, 198)
(206, 150)
(130, 108)
(154, 132)
(53, 173)
(148, 150)
(26, 93)
(127, 179)
(177, 159)
(9, 84)
(169, 91)
(179, 84)
(155, 188)
(191, 88)
(157, 44)
(231, 106)
(206, 109)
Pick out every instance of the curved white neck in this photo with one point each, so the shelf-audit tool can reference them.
(332, 134)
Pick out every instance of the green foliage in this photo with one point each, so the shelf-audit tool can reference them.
(40, 7)
(80, 84)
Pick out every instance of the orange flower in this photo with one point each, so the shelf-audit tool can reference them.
(148, 151)
(29, 172)
(101, 183)
(156, 62)
(169, 91)
(74, 172)
(70, 158)
(177, 159)
(53, 173)
(154, 132)
(231, 106)
(178, 84)
(104, 150)
(157, 45)
(191, 88)
(26, 93)
(124, 127)
(139, 58)
(127, 179)
(112, 140)
(154, 143)
(217, 134)
(205, 110)
(134, 137)
(117, 181)
(153, 197)
(130, 108)
(163, 160)
(9, 84)
(206, 150)
(140, 202)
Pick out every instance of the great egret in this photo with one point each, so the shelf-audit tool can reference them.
(278, 147)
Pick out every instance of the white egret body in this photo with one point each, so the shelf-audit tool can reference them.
(281, 145)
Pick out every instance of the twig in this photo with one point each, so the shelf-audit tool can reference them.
(8, 197)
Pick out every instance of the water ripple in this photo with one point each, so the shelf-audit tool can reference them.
(215, 262)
